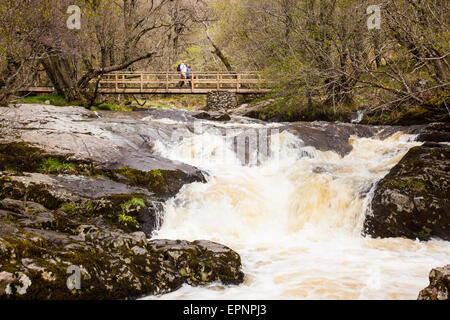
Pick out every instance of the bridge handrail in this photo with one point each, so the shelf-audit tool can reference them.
(145, 81)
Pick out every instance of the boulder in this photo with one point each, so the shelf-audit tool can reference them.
(102, 140)
(335, 136)
(435, 132)
(48, 254)
(212, 116)
(86, 196)
(439, 288)
(413, 200)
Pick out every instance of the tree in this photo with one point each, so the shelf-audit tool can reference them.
(19, 52)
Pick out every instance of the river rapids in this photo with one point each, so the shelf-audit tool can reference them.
(295, 215)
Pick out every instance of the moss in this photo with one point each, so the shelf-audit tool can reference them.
(157, 173)
(126, 219)
(20, 157)
(152, 180)
(131, 206)
(100, 176)
(162, 183)
(34, 193)
(70, 207)
(424, 234)
(410, 183)
(138, 202)
(52, 166)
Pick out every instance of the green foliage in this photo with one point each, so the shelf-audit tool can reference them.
(55, 100)
(89, 207)
(153, 104)
(125, 219)
(110, 107)
(70, 207)
(157, 173)
(52, 166)
(135, 204)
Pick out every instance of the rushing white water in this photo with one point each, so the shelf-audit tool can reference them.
(296, 220)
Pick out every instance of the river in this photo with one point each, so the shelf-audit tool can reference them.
(296, 217)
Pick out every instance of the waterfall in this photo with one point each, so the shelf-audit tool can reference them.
(295, 216)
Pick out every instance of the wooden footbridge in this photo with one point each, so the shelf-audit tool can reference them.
(171, 83)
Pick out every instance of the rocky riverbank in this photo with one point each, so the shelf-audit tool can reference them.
(83, 189)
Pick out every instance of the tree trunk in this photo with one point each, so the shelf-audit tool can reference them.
(441, 70)
(61, 72)
(217, 51)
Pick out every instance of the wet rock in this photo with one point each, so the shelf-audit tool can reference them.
(150, 218)
(86, 196)
(107, 141)
(112, 264)
(200, 262)
(212, 116)
(412, 201)
(94, 163)
(436, 132)
(439, 288)
(65, 188)
(162, 183)
(326, 136)
(252, 111)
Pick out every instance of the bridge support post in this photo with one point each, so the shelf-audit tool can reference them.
(221, 100)
(167, 81)
(238, 82)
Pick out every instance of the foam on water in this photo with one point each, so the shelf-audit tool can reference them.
(296, 219)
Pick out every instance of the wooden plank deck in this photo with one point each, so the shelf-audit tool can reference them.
(168, 83)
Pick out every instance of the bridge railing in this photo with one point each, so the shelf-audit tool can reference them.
(170, 82)
(199, 81)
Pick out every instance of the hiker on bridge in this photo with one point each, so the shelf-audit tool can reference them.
(182, 68)
(188, 75)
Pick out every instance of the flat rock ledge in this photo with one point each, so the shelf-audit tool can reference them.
(41, 252)
(439, 288)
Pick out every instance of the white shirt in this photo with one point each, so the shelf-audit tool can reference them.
(183, 68)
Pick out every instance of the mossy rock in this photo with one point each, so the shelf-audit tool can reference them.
(62, 193)
(439, 288)
(162, 183)
(19, 157)
(412, 201)
(112, 264)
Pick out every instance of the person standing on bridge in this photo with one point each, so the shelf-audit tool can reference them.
(183, 71)
(188, 75)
